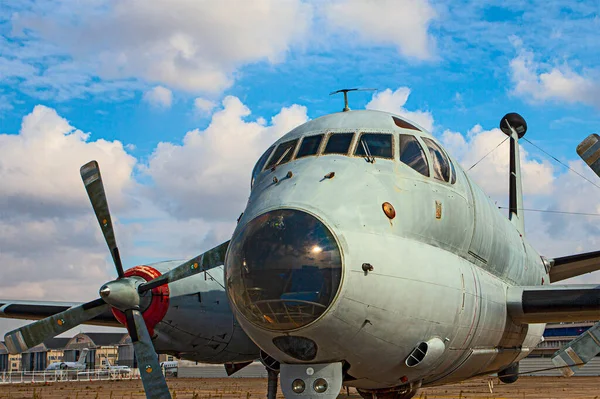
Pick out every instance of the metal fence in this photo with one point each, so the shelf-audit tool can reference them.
(534, 366)
(19, 377)
(254, 370)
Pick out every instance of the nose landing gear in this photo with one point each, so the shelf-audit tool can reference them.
(403, 392)
(388, 395)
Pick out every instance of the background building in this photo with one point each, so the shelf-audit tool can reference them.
(558, 335)
(4, 358)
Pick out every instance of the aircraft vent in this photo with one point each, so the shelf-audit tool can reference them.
(426, 354)
(417, 355)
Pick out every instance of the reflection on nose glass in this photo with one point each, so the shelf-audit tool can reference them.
(283, 269)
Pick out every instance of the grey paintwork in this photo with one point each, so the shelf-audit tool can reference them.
(199, 324)
(444, 278)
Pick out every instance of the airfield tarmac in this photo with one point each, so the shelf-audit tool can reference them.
(255, 388)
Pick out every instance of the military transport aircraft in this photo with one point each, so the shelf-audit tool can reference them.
(365, 257)
(79, 365)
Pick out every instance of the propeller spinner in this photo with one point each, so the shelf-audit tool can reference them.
(124, 294)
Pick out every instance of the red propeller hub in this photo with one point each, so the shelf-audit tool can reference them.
(160, 298)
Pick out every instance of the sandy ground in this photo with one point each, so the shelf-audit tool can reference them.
(255, 388)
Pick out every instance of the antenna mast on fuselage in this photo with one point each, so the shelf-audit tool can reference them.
(345, 91)
(515, 127)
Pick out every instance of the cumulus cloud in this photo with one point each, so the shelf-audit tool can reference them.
(208, 175)
(159, 97)
(492, 173)
(202, 106)
(402, 23)
(537, 81)
(50, 244)
(183, 44)
(39, 167)
(394, 101)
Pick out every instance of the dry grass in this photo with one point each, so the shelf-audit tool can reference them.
(255, 388)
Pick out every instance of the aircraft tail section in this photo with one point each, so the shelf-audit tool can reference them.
(82, 356)
(574, 265)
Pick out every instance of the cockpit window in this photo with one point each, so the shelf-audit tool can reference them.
(441, 164)
(309, 146)
(259, 165)
(412, 154)
(338, 143)
(377, 144)
(283, 153)
(453, 172)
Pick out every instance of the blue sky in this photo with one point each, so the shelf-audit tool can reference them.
(198, 76)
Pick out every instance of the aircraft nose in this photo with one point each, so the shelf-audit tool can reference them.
(283, 269)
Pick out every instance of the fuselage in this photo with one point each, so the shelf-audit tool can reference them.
(437, 271)
(199, 324)
(65, 366)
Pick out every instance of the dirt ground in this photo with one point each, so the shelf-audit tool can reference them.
(255, 388)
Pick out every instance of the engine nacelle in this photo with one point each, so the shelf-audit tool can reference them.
(159, 304)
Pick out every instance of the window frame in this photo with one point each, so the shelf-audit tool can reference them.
(320, 148)
(350, 146)
(357, 144)
(431, 163)
(454, 177)
(292, 155)
(423, 148)
(257, 171)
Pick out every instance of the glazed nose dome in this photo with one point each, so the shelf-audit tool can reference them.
(283, 269)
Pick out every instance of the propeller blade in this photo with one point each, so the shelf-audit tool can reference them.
(209, 259)
(90, 174)
(147, 359)
(33, 334)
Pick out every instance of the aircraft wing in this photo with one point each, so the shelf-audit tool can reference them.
(554, 303)
(574, 265)
(36, 310)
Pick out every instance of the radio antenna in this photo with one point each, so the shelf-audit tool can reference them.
(345, 91)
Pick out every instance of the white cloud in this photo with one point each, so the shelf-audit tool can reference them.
(492, 172)
(159, 97)
(537, 81)
(402, 23)
(50, 243)
(39, 167)
(394, 101)
(183, 44)
(204, 106)
(208, 175)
